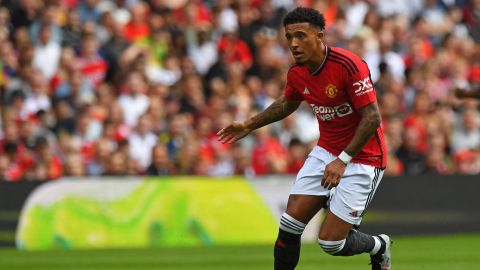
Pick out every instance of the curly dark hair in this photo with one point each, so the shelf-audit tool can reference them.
(302, 14)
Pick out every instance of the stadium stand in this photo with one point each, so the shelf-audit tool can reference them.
(128, 87)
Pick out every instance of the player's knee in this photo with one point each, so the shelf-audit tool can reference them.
(332, 247)
(291, 225)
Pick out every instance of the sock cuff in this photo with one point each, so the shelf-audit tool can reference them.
(291, 225)
(377, 246)
(332, 247)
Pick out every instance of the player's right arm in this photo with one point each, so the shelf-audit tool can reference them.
(281, 108)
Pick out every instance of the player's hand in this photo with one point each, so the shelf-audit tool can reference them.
(460, 93)
(233, 132)
(333, 174)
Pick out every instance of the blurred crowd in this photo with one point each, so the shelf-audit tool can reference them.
(130, 87)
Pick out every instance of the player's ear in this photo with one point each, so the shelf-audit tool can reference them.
(320, 35)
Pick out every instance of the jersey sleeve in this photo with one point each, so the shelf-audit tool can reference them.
(359, 86)
(291, 92)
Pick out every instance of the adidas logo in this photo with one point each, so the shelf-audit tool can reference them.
(306, 91)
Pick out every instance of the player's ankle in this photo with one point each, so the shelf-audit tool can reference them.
(381, 248)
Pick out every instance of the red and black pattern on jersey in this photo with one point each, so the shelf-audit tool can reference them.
(336, 92)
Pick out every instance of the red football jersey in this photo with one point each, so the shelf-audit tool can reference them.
(336, 92)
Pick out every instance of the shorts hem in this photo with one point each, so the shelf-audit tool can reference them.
(349, 220)
(309, 193)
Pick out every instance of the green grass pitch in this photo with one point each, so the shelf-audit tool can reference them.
(455, 252)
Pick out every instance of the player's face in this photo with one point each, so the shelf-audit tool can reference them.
(304, 41)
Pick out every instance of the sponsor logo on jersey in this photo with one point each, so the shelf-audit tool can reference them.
(363, 86)
(326, 113)
(306, 91)
(331, 90)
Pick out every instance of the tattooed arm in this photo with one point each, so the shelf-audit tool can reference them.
(366, 128)
(278, 110)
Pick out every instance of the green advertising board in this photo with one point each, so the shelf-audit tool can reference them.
(144, 213)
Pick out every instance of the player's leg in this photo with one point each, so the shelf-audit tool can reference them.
(347, 206)
(338, 238)
(306, 198)
(300, 209)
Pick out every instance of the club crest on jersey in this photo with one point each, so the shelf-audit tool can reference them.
(331, 90)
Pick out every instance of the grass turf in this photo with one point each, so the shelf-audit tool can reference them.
(455, 252)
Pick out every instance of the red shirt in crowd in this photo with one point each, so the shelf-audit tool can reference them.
(264, 154)
(93, 69)
(134, 32)
(236, 51)
(336, 91)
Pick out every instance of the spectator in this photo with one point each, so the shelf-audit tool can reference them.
(74, 165)
(117, 165)
(72, 30)
(202, 49)
(161, 163)
(142, 140)
(437, 160)
(137, 28)
(235, 49)
(133, 101)
(104, 149)
(92, 65)
(467, 162)
(268, 155)
(84, 75)
(296, 156)
(48, 164)
(187, 156)
(113, 49)
(412, 159)
(466, 136)
(38, 98)
(48, 18)
(418, 118)
(24, 13)
(77, 90)
(46, 51)
(386, 55)
(65, 117)
(88, 11)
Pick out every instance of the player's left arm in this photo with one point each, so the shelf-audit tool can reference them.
(368, 125)
(363, 97)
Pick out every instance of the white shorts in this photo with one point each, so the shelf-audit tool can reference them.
(351, 197)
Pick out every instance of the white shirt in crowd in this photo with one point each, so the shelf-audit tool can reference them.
(35, 103)
(395, 63)
(133, 107)
(203, 56)
(46, 58)
(355, 14)
(399, 7)
(466, 133)
(141, 147)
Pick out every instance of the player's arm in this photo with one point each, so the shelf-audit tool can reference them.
(368, 125)
(462, 93)
(279, 109)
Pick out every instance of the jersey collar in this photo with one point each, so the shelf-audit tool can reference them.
(317, 71)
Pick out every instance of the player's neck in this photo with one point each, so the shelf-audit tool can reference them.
(317, 60)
